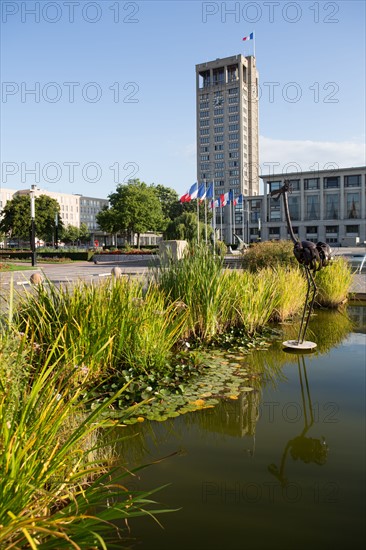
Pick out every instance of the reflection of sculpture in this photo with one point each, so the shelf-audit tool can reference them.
(311, 256)
(304, 448)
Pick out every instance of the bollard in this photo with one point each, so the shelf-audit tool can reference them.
(116, 272)
(36, 278)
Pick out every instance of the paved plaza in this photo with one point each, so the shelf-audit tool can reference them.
(133, 266)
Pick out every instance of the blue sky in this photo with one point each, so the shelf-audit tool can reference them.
(115, 87)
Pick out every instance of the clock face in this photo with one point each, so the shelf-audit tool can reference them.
(218, 101)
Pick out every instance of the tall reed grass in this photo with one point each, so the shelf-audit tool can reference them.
(103, 328)
(334, 283)
(55, 473)
(197, 282)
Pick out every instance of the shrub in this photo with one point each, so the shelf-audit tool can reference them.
(269, 254)
(334, 283)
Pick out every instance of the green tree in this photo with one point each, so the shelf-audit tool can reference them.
(16, 218)
(185, 227)
(135, 209)
(71, 233)
(168, 199)
(84, 233)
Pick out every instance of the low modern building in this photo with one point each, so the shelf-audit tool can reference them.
(326, 205)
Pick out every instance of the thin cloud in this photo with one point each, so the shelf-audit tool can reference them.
(278, 155)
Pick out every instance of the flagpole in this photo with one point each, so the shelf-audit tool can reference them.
(205, 213)
(214, 215)
(254, 43)
(234, 214)
(198, 220)
(230, 221)
(242, 216)
(221, 208)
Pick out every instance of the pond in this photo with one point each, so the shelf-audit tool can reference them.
(281, 467)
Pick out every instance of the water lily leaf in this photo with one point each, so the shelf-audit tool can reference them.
(247, 388)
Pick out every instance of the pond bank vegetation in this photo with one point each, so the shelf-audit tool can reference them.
(75, 362)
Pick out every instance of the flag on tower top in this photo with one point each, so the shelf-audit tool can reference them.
(250, 37)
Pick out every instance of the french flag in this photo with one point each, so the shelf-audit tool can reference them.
(250, 37)
(191, 193)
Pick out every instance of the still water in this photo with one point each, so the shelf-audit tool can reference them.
(281, 467)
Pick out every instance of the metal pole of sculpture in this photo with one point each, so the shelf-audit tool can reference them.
(312, 257)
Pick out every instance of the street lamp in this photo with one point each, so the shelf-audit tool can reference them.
(33, 226)
(56, 230)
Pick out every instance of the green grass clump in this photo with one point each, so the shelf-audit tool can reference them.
(334, 282)
(56, 472)
(197, 282)
(269, 254)
(105, 327)
(291, 291)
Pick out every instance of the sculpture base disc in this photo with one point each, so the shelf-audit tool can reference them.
(303, 346)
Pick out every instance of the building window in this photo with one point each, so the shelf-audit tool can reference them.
(311, 183)
(219, 120)
(234, 181)
(331, 230)
(312, 230)
(274, 185)
(204, 150)
(219, 165)
(219, 138)
(234, 155)
(219, 147)
(312, 207)
(205, 157)
(331, 207)
(205, 166)
(274, 232)
(218, 112)
(218, 129)
(204, 132)
(204, 114)
(331, 182)
(353, 205)
(233, 118)
(233, 109)
(352, 230)
(219, 174)
(274, 210)
(233, 127)
(294, 207)
(295, 185)
(234, 145)
(204, 140)
(233, 163)
(219, 156)
(205, 122)
(233, 172)
(233, 137)
(352, 181)
(233, 91)
(218, 76)
(233, 100)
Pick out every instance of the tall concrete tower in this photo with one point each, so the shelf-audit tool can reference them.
(227, 125)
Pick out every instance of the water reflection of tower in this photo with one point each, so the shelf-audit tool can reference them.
(234, 417)
(307, 449)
